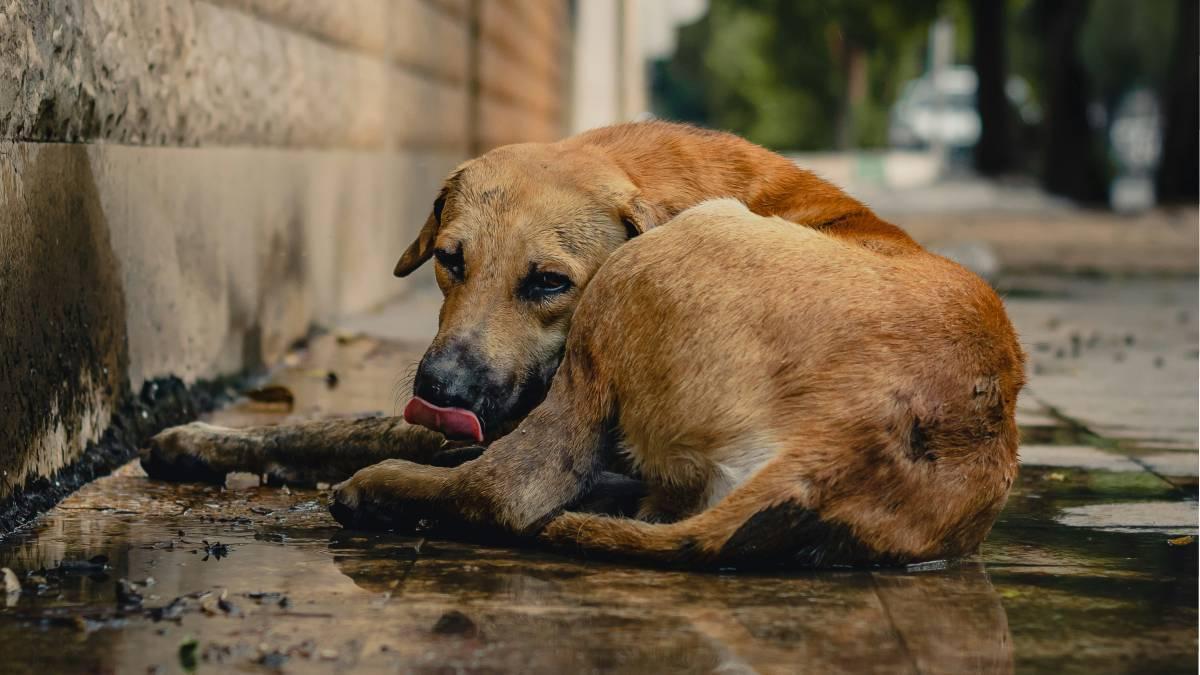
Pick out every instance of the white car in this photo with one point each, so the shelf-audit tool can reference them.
(939, 109)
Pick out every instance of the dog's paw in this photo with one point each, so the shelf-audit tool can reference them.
(344, 501)
(374, 499)
(355, 510)
(176, 454)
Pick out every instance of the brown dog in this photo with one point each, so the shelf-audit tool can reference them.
(811, 395)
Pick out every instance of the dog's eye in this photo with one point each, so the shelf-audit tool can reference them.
(539, 285)
(451, 261)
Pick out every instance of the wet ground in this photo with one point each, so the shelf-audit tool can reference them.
(1092, 567)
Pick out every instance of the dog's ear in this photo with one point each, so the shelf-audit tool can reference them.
(422, 249)
(638, 216)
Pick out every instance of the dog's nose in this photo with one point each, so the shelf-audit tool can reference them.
(450, 379)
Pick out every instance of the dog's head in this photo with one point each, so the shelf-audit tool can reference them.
(515, 236)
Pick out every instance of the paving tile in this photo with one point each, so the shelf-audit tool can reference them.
(1175, 517)
(1036, 419)
(1118, 356)
(1149, 438)
(1173, 463)
(1079, 456)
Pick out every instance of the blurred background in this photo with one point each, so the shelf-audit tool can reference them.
(1093, 101)
(1012, 135)
(1026, 135)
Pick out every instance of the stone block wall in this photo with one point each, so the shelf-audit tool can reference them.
(186, 186)
(522, 61)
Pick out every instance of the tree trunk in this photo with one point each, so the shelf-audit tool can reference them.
(990, 56)
(854, 68)
(1179, 172)
(1072, 164)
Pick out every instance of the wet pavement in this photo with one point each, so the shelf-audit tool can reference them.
(1091, 568)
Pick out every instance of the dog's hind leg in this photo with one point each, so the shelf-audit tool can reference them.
(767, 521)
(305, 453)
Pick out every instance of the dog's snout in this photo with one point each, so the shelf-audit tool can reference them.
(452, 378)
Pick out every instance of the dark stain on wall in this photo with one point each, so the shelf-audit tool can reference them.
(62, 309)
(161, 403)
(62, 336)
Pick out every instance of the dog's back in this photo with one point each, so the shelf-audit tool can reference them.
(809, 400)
(679, 165)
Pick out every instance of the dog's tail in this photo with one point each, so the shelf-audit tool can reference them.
(754, 526)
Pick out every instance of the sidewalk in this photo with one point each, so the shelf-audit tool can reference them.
(1024, 228)
(1085, 571)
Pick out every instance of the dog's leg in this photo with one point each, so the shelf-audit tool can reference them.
(304, 453)
(550, 460)
(612, 494)
(774, 518)
(763, 519)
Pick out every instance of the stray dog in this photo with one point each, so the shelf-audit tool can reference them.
(793, 380)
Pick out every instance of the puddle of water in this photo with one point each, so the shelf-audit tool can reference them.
(1041, 597)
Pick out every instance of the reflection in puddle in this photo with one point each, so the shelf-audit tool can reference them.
(605, 615)
(311, 594)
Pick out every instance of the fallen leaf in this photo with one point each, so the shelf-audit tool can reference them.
(274, 394)
(1185, 540)
(209, 606)
(227, 606)
(274, 660)
(330, 377)
(127, 595)
(1056, 477)
(187, 653)
(455, 622)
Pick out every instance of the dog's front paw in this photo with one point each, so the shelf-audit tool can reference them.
(385, 496)
(178, 454)
(348, 506)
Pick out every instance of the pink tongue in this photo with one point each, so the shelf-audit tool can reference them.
(453, 422)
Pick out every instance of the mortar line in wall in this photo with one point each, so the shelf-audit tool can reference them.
(423, 72)
(474, 135)
(519, 55)
(443, 10)
(519, 103)
(539, 39)
(380, 150)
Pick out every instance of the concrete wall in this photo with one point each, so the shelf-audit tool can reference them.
(187, 186)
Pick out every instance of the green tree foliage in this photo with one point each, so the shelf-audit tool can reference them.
(1126, 45)
(783, 72)
(823, 74)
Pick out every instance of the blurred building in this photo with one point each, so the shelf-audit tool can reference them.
(614, 42)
